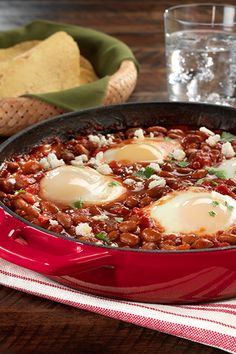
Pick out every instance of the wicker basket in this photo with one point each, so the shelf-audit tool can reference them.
(19, 112)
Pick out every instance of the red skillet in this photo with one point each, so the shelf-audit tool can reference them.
(149, 276)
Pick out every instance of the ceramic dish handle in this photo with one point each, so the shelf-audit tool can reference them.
(39, 251)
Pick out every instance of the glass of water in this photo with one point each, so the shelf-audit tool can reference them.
(201, 53)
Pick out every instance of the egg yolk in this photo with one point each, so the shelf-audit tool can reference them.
(196, 211)
(145, 150)
(68, 184)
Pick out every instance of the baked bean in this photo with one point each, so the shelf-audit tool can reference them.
(151, 235)
(131, 201)
(156, 192)
(157, 128)
(174, 136)
(32, 212)
(149, 246)
(184, 170)
(6, 185)
(67, 155)
(199, 174)
(48, 207)
(79, 217)
(128, 226)
(190, 152)
(231, 239)
(167, 167)
(94, 210)
(81, 150)
(30, 167)
(190, 139)
(190, 238)
(145, 201)
(64, 219)
(202, 243)
(165, 174)
(129, 239)
(176, 131)
(113, 235)
(12, 166)
(20, 203)
(172, 183)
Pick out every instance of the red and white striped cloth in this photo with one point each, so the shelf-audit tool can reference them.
(213, 324)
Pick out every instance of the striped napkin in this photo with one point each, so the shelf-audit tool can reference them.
(212, 324)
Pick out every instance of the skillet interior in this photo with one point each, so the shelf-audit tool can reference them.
(119, 117)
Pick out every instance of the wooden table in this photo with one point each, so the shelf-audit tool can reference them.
(33, 325)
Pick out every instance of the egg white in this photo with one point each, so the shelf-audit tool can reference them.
(141, 150)
(68, 184)
(194, 210)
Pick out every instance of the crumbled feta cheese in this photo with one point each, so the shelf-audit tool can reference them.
(129, 181)
(139, 134)
(155, 166)
(79, 160)
(206, 131)
(44, 163)
(178, 154)
(94, 139)
(83, 229)
(114, 244)
(213, 140)
(101, 217)
(160, 182)
(82, 157)
(101, 140)
(104, 169)
(11, 180)
(53, 222)
(138, 186)
(51, 161)
(151, 135)
(227, 149)
(97, 160)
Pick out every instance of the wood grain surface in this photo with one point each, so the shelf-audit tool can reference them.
(33, 325)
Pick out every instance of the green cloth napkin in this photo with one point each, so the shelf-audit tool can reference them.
(104, 52)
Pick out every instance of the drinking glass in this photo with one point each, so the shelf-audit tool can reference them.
(201, 53)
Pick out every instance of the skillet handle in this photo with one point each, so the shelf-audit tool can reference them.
(39, 251)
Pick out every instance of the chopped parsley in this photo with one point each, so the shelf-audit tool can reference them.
(229, 207)
(215, 203)
(166, 138)
(182, 163)
(103, 237)
(113, 184)
(225, 136)
(118, 219)
(212, 213)
(20, 191)
(217, 172)
(213, 183)
(200, 181)
(78, 204)
(147, 173)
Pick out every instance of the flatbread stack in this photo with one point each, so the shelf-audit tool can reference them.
(51, 65)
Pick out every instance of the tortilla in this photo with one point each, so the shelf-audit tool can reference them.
(11, 52)
(87, 73)
(43, 68)
(33, 66)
